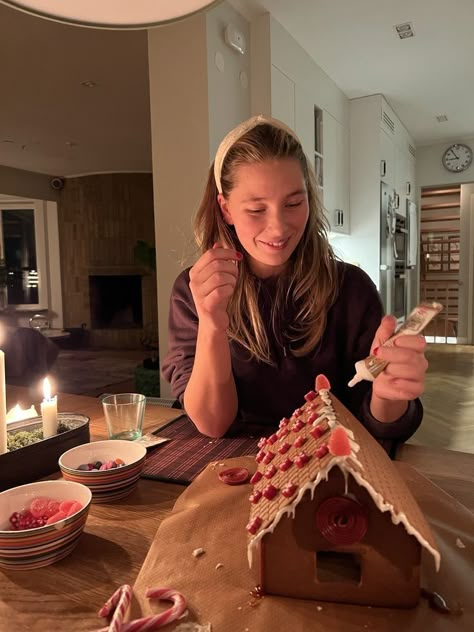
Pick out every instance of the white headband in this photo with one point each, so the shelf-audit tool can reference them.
(237, 133)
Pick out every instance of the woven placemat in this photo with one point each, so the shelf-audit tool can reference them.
(181, 459)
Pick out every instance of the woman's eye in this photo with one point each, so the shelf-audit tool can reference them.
(255, 211)
(294, 204)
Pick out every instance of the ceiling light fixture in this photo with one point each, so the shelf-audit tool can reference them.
(404, 30)
(89, 84)
(442, 118)
(111, 14)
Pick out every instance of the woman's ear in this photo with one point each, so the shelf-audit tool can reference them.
(224, 209)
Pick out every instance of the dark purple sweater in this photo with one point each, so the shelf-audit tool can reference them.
(266, 393)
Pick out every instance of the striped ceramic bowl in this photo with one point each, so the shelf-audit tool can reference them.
(105, 485)
(41, 546)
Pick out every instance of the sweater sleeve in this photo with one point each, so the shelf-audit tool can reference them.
(182, 334)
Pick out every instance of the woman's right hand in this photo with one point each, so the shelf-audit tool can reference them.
(212, 282)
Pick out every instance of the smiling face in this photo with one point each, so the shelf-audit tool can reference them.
(268, 207)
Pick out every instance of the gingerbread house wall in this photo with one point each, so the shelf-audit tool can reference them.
(389, 557)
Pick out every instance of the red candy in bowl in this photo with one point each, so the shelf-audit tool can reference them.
(40, 523)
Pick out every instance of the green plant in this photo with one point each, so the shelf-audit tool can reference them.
(145, 255)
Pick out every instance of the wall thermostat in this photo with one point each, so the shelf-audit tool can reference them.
(235, 39)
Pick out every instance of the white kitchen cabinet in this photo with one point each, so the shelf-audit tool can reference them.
(380, 152)
(387, 158)
(336, 170)
(283, 98)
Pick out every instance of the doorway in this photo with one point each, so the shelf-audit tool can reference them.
(440, 253)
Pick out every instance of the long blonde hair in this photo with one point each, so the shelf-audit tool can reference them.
(310, 278)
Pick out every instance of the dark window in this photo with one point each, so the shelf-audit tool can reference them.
(19, 247)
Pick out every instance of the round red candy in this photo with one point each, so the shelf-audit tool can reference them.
(339, 444)
(234, 476)
(342, 520)
(322, 383)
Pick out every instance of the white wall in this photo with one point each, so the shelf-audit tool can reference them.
(193, 105)
(228, 89)
(26, 184)
(429, 168)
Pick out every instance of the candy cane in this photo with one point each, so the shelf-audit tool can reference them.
(151, 622)
(118, 604)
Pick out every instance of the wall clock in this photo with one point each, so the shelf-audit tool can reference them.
(457, 158)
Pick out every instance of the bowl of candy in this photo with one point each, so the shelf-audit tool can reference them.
(110, 469)
(40, 523)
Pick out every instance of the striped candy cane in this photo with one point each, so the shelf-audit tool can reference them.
(151, 622)
(118, 604)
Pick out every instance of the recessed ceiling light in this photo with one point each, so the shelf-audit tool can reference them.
(89, 84)
(442, 118)
(7, 140)
(404, 30)
(71, 143)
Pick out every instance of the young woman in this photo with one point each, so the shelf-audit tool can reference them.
(267, 306)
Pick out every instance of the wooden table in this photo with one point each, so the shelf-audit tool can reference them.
(67, 595)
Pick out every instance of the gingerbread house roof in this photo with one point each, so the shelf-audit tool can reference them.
(320, 435)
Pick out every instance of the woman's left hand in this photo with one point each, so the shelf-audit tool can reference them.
(403, 378)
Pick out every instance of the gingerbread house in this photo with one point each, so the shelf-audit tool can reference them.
(331, 517)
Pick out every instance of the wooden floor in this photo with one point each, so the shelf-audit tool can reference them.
(448, 399)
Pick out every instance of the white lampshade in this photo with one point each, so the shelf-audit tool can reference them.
(111, 14)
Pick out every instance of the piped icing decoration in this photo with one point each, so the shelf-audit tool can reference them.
(339, 444)
(341, 520)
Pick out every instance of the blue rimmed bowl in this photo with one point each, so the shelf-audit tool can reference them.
(40, 546)
(105, 485)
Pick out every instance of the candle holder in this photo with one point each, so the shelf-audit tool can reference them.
(33, 461)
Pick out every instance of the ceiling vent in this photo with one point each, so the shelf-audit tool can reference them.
(442, 118)
(412, 150)
(404, 30)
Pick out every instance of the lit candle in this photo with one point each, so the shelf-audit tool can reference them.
(3, 406)
(49, 411)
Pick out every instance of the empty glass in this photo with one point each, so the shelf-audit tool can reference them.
(124, 415)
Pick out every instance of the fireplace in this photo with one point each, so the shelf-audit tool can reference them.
(116, 301)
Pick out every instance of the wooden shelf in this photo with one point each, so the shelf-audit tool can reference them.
(441, 218)
(435, 192)
(440, 230)
(429, 207)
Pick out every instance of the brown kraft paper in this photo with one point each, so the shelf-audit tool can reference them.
(212, 515)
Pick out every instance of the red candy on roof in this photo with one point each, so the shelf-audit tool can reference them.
(339, 444)
(322, 383)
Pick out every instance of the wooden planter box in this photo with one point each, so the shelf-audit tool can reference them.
(39, 459)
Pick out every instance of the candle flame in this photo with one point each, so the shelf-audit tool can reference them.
(46, 389)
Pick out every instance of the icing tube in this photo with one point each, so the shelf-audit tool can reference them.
(371, 366)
